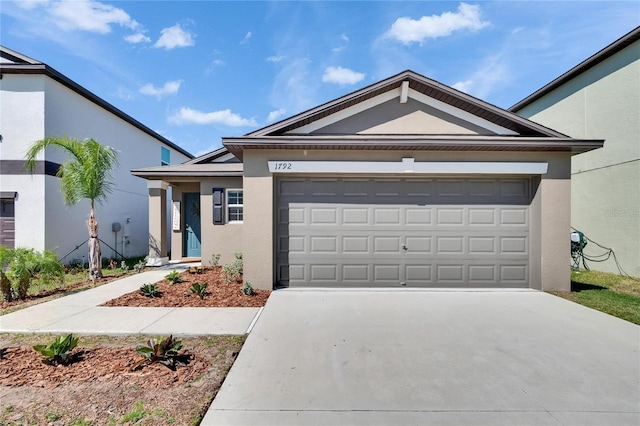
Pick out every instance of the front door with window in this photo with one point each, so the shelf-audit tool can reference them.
(192, 245)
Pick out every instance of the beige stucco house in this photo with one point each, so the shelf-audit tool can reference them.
(600, 98)
(406, 182)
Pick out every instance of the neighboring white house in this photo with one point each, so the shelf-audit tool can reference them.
(36, 102)
(600, 98)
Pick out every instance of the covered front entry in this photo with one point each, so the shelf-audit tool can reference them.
(192, 227)
(431, 232)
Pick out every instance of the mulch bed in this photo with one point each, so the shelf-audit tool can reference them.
(22, 366)
(220, 294)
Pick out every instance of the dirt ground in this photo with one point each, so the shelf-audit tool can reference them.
(99, 386)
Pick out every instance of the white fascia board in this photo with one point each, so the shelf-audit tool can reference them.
(346, 113)
(408, 165)
(457, 112)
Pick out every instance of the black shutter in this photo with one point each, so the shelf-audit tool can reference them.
(218, 206)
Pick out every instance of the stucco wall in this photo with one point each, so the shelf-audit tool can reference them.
(21, 122)
(551, 206)
(603, 102)
(34, 107)
(226, 239)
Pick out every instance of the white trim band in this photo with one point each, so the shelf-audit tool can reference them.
(408, 165)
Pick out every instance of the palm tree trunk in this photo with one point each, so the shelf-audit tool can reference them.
(95, 258)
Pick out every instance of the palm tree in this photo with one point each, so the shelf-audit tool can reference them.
(86, 174)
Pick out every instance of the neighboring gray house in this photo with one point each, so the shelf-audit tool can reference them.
(406, 182)
(36, 102)
(600, 98)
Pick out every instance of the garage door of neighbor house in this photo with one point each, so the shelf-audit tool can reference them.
(407, 231)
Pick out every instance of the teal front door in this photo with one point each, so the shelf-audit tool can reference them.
(192, 224)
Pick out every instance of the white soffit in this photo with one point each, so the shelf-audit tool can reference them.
(402, 93)
(408, 165)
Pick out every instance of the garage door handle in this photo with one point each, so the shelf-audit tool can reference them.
(404, 247)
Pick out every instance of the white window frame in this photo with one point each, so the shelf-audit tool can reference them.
(230, 205)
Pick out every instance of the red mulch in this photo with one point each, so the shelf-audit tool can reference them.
(22, 366)
(220, 294)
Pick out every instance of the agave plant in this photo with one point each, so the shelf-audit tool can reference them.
(199, 288)
(174, 277)
(150, 290)
(58, 351)
(164, 350)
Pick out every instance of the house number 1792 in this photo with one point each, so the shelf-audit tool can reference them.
(283, 166)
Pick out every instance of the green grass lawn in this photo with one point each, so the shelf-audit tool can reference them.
(609, 293)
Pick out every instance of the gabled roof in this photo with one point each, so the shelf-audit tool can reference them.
(518, 133)
(422, 85)
(615, 47)
(220, 155)
(17, 63)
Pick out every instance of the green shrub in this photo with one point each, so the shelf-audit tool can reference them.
(163, 350)
(58, 351)
(199, 288)
(174, 277)
(150, 290)
(247, 288)
(215, 259)
(27, 264)
(6, 256)
(138, 267)
(232, 271)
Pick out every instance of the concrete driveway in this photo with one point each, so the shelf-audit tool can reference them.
(401, 357)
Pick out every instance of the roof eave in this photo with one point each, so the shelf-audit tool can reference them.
(154, 175)
(444, 143)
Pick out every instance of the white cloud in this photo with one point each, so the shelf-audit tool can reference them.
(463, 86)
(187, 115)
(275, 58)
(169, 88)
(175, 36)
(407, 30)
(89, 16)
(274, 115)
(294, 87)
(492, 73)
(137, 38)
(344, 37)
(246, 37)
(341, 76)
(338, 49)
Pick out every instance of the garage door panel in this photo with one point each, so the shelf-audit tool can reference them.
(482, 217)
(514, 216)
(418, 216)
(421, 232)
(482, 245)
(450, 216)
(355, 216)
(386, 273)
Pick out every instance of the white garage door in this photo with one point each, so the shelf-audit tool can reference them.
(393, 232)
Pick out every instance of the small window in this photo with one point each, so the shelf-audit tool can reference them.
(165, 155)
(234, 205)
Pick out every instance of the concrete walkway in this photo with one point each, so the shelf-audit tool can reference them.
(430, 357)
(79, 313)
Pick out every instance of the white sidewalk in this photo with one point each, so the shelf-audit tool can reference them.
(79, 313)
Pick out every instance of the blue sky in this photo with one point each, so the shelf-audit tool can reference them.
(195, 71)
